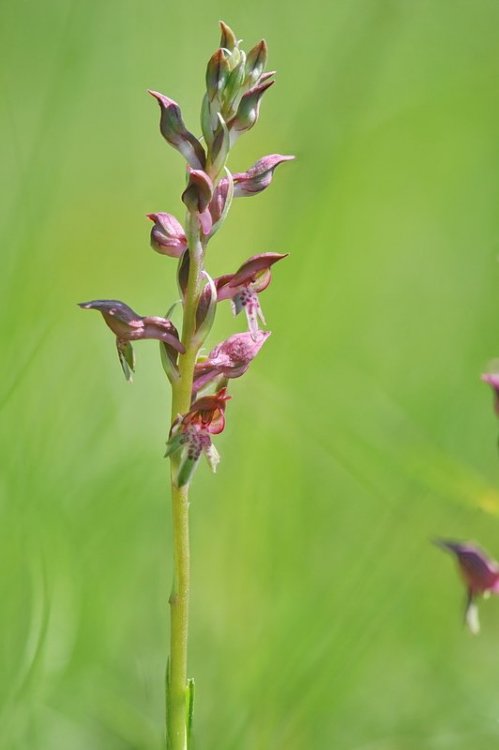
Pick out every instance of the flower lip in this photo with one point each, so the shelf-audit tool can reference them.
(208, 412)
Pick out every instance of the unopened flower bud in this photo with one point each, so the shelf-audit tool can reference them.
(255, 62)
(221, 201)
(209, 118)
(248, 110)
(220, 147)
(217, 73)
(183, 273)
(205, 312)
(167, 235)
(233, 87)
(198, 192)
(259, 176)
(176, 134)
(228, 39)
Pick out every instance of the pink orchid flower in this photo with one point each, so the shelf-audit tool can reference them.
(243, 287)
(128, 326)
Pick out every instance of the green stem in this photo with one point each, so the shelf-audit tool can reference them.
(177, 687)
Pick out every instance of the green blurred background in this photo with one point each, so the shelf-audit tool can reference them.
(322, 617)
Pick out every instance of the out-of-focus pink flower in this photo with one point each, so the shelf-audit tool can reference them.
(492, 378)
(243, 287)
(229, 359)
(479, 573)
(167, 235)
(128, 326)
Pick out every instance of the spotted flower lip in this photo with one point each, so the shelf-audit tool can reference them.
(479, 573)
(128, 326)
(229, 359)
(243, 287)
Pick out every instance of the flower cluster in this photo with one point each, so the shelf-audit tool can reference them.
(236, 82)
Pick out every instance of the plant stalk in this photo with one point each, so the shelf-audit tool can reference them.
(177, 689)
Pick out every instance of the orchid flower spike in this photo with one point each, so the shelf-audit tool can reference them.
(128, 326)
(243, 287)
(191, 434)
(479, 573)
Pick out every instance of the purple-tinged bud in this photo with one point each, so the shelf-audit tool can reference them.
(183, 273)
(128, 326)
(197, 197)
(176, 134)
(205, 311)
(217, 73)
(221, 201)
(479, 573)
(255, 62)
(198, 193)
(167, 235)
(228, 39)
(259, 176)
(229, 359)
(217, 203)
(492, 378)
(248, 110)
